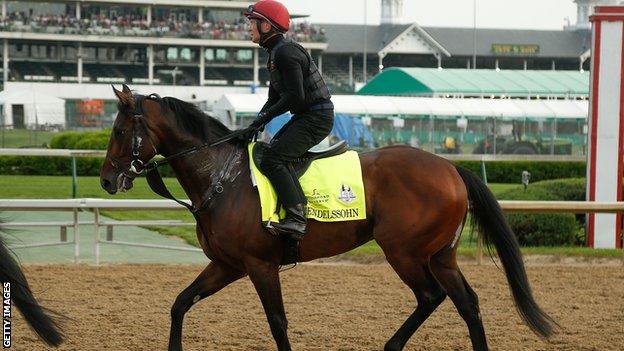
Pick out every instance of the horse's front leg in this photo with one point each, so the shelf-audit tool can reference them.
(212, 279)
(265, 277)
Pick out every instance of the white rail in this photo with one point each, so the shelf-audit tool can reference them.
(95, 205)
(461, 157)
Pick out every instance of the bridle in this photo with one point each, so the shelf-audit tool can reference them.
(154, 179)
(137, 165)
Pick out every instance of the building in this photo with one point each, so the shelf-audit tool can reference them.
(392, 44)
(196, 50)
(199, 50)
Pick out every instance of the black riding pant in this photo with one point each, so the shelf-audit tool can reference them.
(303, 131)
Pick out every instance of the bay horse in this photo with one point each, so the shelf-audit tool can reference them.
(45, 323)
(416, 205)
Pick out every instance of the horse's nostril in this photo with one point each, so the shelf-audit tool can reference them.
(105, 184)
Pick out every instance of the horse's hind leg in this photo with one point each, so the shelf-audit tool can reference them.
(445, 269)
(429, 295)
(212, 279)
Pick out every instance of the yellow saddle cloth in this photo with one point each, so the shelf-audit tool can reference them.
(333, 187)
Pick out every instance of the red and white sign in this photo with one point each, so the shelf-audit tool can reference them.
(606, 124)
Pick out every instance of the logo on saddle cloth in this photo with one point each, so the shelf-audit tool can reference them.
(316, 197)
(333, 187)
(346, 194)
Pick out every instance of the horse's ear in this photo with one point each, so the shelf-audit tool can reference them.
(118, 93)
(126, 98)
(126, 89)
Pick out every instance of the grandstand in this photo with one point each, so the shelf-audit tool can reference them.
(200, 50)
(206, 43)
(134, 41)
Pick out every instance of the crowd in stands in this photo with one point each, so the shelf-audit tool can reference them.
(137, 25)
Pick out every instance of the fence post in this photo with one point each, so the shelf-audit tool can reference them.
(96, 224)
(483, 171)
(76, 236)
(74, 177)
(63, 234)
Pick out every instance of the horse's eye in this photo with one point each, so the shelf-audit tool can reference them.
(119, 132)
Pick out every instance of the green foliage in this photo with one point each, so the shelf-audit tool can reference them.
(93, 142)
(63, 140)
(81, 140)
(564, 189)
(546, 229)
(57, 166)
(552, 229)
(40, 165)
(511, 171)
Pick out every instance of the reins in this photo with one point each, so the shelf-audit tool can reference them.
(153, 177)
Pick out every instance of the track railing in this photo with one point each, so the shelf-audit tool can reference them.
(96, 205)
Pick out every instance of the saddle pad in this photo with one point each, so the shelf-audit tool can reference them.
(333, 187)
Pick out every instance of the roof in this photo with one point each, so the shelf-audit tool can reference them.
(480, 82)
(348, 38)
(393, 106)
(344, 38)
(552, 43)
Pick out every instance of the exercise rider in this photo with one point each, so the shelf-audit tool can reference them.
(296, 86)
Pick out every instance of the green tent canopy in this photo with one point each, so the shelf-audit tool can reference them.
(479, 82)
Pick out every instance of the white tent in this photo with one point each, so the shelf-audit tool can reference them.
(232, 105)
(26, 108)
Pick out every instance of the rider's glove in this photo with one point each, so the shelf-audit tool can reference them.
(260, 121)
(255, 127)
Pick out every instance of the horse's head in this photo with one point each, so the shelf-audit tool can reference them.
(133, 142)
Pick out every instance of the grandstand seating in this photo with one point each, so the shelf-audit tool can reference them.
(336, 73)
(104, 73)
(30, 71)
(237, 76)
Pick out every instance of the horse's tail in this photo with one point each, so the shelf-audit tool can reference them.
(43, 321)
(489, 220)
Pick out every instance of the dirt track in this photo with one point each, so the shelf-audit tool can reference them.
(329, 307)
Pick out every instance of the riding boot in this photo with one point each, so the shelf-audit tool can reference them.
(294, 224)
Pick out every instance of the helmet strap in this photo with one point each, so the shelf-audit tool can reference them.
(264, 36)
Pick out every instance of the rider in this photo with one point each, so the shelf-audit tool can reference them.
(296, 85)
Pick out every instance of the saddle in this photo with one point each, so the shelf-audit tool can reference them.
(301, 164)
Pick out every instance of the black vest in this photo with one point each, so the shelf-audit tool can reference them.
(314, 86)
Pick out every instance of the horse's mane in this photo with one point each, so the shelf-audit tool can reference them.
(193, 121)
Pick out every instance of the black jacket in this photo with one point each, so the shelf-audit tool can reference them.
(296, 83)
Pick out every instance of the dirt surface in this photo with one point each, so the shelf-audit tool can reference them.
(329, 307)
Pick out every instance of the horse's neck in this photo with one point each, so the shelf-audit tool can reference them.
(199, 173)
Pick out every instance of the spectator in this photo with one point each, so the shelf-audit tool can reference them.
(136, 24)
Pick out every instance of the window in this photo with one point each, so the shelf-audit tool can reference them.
(185, 54)
(172, 54)
(210, 55)
(244, 55)
(213, 55)
(222, 55)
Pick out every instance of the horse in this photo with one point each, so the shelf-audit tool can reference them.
(416, 202)
(45, 323)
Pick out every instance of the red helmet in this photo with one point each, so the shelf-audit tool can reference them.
(272, 11)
